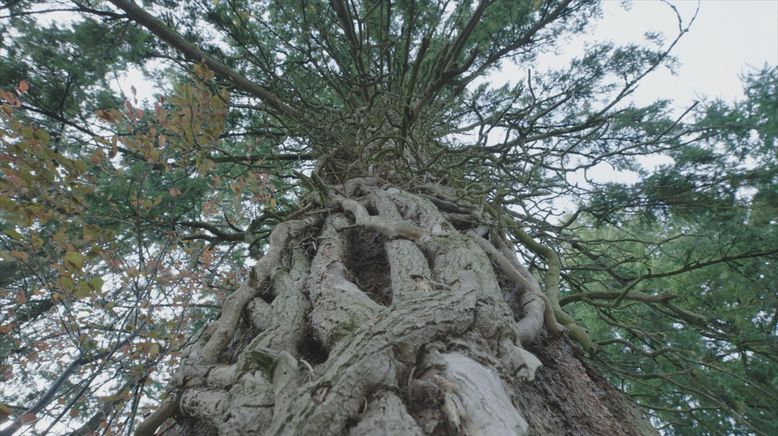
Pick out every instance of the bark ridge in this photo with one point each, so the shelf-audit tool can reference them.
(382, 313)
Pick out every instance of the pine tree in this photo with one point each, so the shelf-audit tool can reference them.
(330, 222)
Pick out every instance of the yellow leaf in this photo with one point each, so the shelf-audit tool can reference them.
(74, 260)
(7, 204)
(5, 413)
(106, 115)
(96, 283)
(82, 291)
(42, 136)
(97, 157)
(37, 242)
(80, 166)
(65, 282)
(114, 148)
(13, 234)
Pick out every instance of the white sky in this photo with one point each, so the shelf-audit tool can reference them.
(727, 39)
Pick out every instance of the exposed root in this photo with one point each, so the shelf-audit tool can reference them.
(217, 336)
(537, 309)
(366, 360)
(410, 273)
(339, 306)
(149, 425)
(391, 228)
(475, 400)
(234, 304)
(552, 284)
(443, 290)
(385, 414)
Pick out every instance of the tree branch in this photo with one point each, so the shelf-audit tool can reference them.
(157, 27)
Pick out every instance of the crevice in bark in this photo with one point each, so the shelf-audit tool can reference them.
(366, 261)
(245, 332)
(186, 425)
(310, 349)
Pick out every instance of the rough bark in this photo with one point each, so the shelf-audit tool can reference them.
(379, 316)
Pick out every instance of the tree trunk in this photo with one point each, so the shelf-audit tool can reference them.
(389, 312)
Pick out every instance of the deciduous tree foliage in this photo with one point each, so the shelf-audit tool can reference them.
(329, 220)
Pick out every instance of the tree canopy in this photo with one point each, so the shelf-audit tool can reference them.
(126, 222)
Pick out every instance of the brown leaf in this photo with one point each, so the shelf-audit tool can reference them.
(106, 115)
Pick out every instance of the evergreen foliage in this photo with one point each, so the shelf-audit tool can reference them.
(126, 222)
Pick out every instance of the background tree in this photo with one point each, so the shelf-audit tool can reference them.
(680, 284)
(349, 162)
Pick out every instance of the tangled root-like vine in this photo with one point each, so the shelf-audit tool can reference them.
(330, 357)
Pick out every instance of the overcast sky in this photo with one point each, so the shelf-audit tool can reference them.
(727, 38)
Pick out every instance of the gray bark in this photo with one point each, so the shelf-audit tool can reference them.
(379, 317)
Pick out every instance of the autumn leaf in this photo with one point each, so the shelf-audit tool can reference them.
(96, 283)
(82, 291)
(20, 255)
(114, 147)
(97, 157)
(5, 413)
(207, 256)
(106, 115)
(74, 260)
